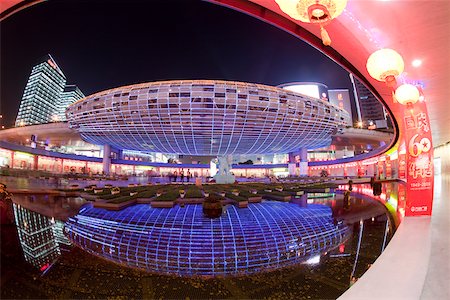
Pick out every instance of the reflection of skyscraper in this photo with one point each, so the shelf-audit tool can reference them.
(44, 96)
(36, 235)
(58, 231)
(367, 105)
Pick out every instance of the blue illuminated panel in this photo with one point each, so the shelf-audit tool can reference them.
(182, 241)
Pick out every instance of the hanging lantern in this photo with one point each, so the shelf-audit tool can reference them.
(385, 65)
(320, 12)
(407, 94)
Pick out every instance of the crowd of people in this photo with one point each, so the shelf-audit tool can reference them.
(173, 176)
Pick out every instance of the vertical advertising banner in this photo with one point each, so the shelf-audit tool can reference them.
(401, 206)
(388, 167)
(419, 160)
(402, 166)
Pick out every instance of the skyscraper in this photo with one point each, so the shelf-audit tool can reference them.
(341, 98)
(367, 105)
(45, 98)
(70, 95)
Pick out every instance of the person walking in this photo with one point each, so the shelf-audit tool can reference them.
(175, 175)
(182, 175)
(188, 175)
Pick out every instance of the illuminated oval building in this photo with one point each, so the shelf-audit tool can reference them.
(205, 117)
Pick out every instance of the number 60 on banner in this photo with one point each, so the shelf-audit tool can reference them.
(418, 147)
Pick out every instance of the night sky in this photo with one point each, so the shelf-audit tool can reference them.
(105, 44)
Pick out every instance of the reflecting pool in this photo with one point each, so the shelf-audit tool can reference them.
(313, 248)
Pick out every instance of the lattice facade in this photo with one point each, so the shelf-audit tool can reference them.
(205, 118)
(182, 241)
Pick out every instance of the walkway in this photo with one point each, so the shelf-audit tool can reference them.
(415, 264)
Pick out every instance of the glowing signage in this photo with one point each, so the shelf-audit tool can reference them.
(419, 160)
(311, 90)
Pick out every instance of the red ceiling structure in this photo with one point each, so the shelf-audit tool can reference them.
(417, 29)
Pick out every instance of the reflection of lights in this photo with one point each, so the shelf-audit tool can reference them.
(416, 63)
(211, 249)
(313, 260)
(44, 267)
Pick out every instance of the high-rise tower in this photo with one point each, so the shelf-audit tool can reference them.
(70, 95)
(368, 107)
(46, 95)
(40, 98)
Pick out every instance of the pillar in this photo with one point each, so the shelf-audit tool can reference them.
(303, 162)
(292, 164)
(106, 159)
(36, 162)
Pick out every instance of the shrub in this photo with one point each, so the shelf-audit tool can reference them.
(236, 198)
(122, 199)
(168, 196)
(212, 207)
(147, 194)
(194, 192)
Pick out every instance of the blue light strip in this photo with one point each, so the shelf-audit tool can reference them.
(182, 241)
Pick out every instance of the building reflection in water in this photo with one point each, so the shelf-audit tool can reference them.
(39, 236)
(181, 241)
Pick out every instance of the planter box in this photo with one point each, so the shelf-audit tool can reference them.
(255, 199)
(318, 190)
(278, 198)
(190, 200)
(242, 204)
(114, 206)
(88, 197)
(162, 204)
(144, 200)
